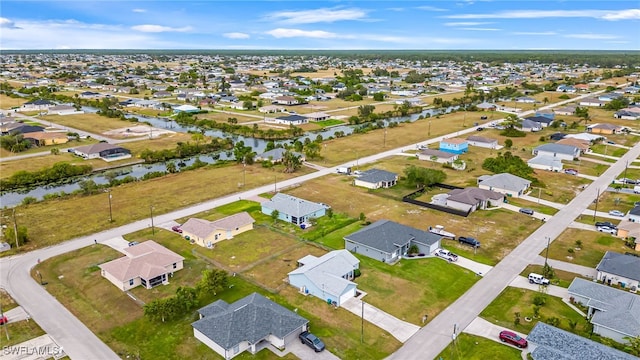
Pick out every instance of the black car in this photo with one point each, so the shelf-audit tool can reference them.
(311, 341)
(526, 211)
(605, 224)
(469, 241)
(479, 129)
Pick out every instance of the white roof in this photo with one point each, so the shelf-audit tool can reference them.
(584, 136)
(186, 108)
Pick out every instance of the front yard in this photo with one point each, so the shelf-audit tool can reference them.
(472, 347)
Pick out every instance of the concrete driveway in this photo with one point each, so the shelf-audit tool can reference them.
(304, 352)
(117, 243)
(482, 327)
(16, 314)
(399, 329)
(523, 283)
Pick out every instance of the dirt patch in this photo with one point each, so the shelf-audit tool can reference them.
(138, 131)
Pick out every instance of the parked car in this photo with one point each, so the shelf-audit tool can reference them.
(610, 142)
(627, 181)
(447, 255)
(132, 243)
(571, 171)
(616, 213)
(3, 319)
(513, 339)
(483, 117)
(526, 211)
(606, 224)
(479, 129)
(538, 279)
(311, 341)
(177, 229)
(608, 230)
(469, 241)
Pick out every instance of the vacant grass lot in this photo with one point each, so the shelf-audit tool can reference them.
(472, 347)
(7, 102)
(615, 201)
(131, 202)
(15, 333)
(502, 311)
(161, 143)
(93, 123)
(594, 245)
(419, 287)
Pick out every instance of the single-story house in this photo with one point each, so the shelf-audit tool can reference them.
(626, 115)
(606, 129)
(375, 179)
(486, 106)
(619, 269)
(454, 145)
(546, 113)
(560, 151)
(22, 128)
(327, 277)
(289, 120)
(251, 323)
(544, 121)
(276, 155)
(547, 342)
(592, 102)
(634, 214)
(105, 151)
(41, 138)
(90, 95)
(526, 100)
(317, 116)
(206, 233)
(161, 94)
(389, 241)
(614, 313)
(147, 264)
(566, 88)
(630, 230)
(583, 145)
(437, 156)
(285, 100)
(292, 209)
(531, 126)
(481, 141)
(186, 108)
(565, 110)
(63, 110)
(504, 183)
(271, 109)
(585, 136)
(546, 162)
(37, 105)
(473, 199)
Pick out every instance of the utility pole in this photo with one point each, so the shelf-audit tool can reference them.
(546, 257)
(429, 132)
(275, 184)
(362, 325)
(244, 177)
(596, 209)
(15, 228)
(110, 212)
(624, 182)
(384, 145)
(153, 229)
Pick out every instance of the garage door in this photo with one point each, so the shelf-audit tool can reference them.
(348, 295)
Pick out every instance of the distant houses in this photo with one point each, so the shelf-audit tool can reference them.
(104, 151)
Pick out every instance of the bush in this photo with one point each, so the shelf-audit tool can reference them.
(356, 272)
(553, 321)
(539, 300)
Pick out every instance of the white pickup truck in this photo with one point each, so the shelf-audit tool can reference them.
(446, 254)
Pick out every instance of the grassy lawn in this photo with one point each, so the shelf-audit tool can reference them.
(533, 205)
(472, 347)
(159, 143)
(501, 311)
(586, 167)
(594, 245)
(131, 202)
(615, 201)
(328, 123)
(561, 278)
(6, 301)
(19, 332)
(405, 282)
(93, 123)
(7, 102)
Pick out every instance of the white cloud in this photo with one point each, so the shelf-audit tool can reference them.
(611, 15)
(430, 8)
(236, 35)
(7, 24)
(290, 33)
(591, 36)
(317, 16)
(159, 28)
(479, 29)
(535, 33)
(466, 23)
(139, 10)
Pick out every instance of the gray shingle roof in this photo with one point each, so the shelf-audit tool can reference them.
(291, 205)
(249, 319)
(556, 344)
(546, 160)
(481, 139)
(558, 148)
(505, 181)
(620, 309)
(376, 175)
(635, 211)
(620, 264)
(386, 235)
(473, 196)
(437, 153)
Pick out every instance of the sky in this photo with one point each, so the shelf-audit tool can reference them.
(321, 25)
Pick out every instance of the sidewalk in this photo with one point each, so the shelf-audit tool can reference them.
(16, 314)
(566, 266)
(476, 267)
(399, 329)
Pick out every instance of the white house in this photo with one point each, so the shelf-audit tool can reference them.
(619, 269)
(560, 151)
(481, 141)
(546, 162)
(327, 277)
(504, 183)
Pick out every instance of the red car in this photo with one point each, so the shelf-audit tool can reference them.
(513, 339)
(3, 319)
(177, 229)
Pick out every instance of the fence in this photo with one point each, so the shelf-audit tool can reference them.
(410, 199)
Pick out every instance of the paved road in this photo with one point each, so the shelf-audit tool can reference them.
(435, 336)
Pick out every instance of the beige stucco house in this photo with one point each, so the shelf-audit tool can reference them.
(207, 233)
(147, 264)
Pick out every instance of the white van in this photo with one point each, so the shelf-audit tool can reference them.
(636, 189)
(538, 279)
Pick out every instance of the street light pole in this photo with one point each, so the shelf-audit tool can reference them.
(596, 209)
(624, 181)
(362, 325)
(153, 229)
(110, 211)
(546, 257)
(244, 177)
(429, 132)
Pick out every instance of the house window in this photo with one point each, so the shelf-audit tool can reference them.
(236, 349)
(175, 265)
(131, 282)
